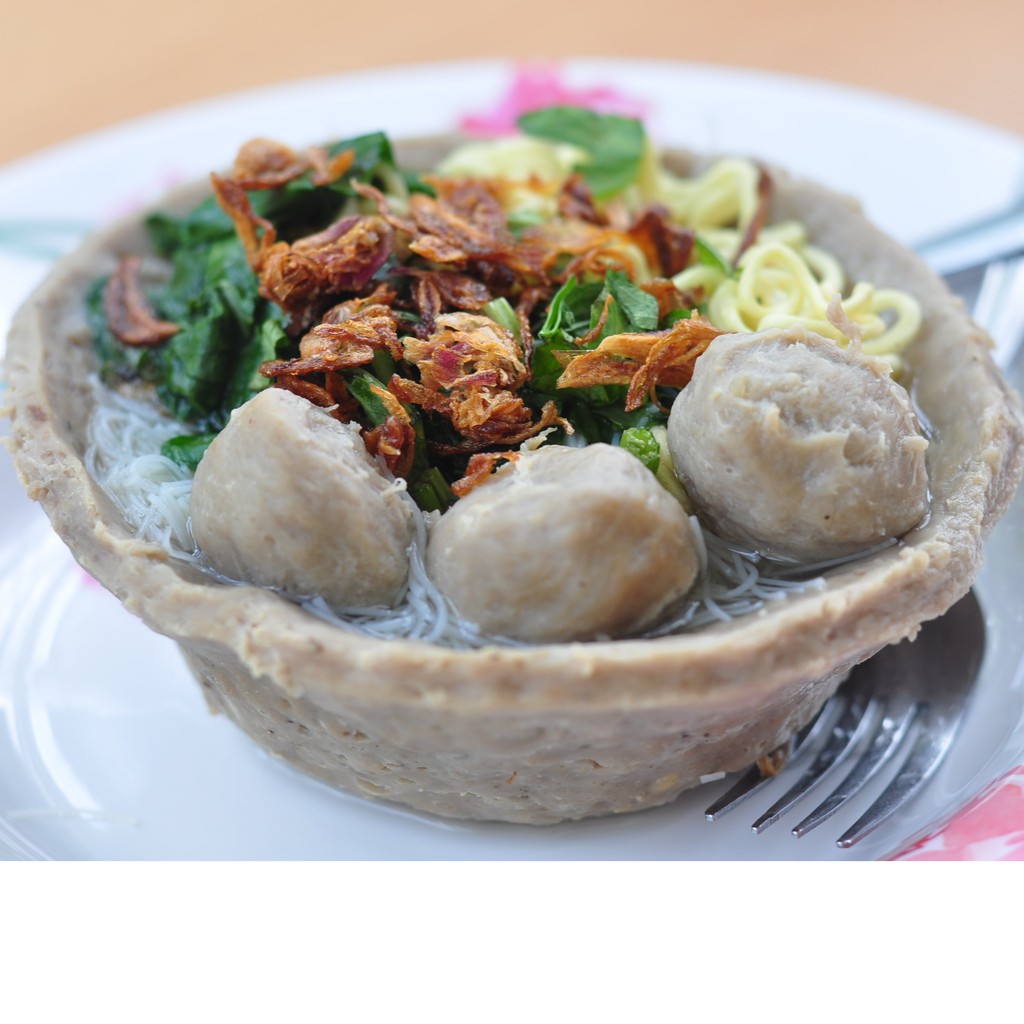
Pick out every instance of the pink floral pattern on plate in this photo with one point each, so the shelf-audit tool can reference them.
(542, 85)
(991, 827)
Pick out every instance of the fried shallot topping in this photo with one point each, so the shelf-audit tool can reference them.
(592, 249)
(641, 361)
(328, 169)
(255, 233)
(437, 291)
(343, 258)
(263, 163)
(300, 276)
(462, 226)
(669, 297)
(332, 395)
(348, 336)
(396, 288)
(470, 368)
(395, 439)
(576, 202)
(668, 248)
(129, 314)
(478, 469)
(266, 164)
(765, 187)
(467, 350)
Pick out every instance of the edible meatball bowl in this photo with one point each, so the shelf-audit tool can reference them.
(555, 731)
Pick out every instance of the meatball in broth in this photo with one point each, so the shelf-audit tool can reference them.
(564, 544)
(288, 497)
(799, 448)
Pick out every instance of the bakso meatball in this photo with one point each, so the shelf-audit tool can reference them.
(564, 544)
(797, 447)
(288, 497)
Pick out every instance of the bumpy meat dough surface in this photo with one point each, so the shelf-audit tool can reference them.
(564, 544)
(797, 447)
(287, 497)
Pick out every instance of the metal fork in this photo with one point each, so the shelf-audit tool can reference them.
(910, 697)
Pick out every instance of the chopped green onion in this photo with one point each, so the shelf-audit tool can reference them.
(501, 312)
(642, 443)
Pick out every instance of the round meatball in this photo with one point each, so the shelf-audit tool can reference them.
(797, 447)
(564, 544)
(288, 497)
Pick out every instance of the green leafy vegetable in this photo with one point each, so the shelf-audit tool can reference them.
(665, 471)
(187, 449)
(519, 220)
(711, 257)
(195, 364)
(268, 342)
(614, 144)
(204, 224)
(576, 308)
(569, 312)
(361, 387)
(575, 311)
(117, 361)
(639, 310)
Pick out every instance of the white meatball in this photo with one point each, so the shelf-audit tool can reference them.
(288, 497)
(564, 544)
(797, 447)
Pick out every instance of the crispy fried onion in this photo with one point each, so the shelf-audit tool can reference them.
(669, 297)
(576, 201)
(478, 469)
(575, 248)
(342, 258)
(667, 247)
(349, 335)
(641, 360)
(332, 395)
(437, 291)
(264, 163)
(765, 187)
(129, 315)
(470, 368)
(328, 169)
(462, 225)
(301, 275)
(394, 440)
(583, 242)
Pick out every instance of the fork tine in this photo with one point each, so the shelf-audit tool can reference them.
(950, 667)
(894, 721)
(753, 779)
(847, 731)
(933, 740)
(917, 691)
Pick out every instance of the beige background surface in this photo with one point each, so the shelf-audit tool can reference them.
(70, 68)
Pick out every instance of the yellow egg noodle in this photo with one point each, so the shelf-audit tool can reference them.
(781, 279)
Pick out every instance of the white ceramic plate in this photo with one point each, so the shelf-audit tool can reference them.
(106, 748)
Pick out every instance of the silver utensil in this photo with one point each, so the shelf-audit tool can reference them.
(978, 244)
(909, 698)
